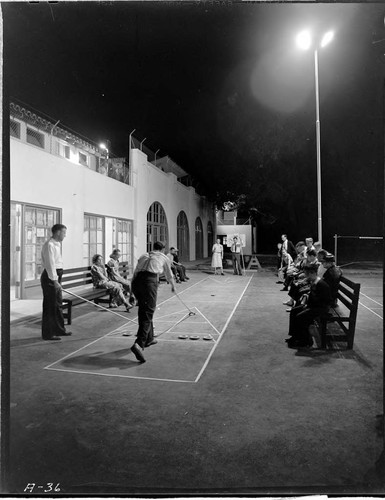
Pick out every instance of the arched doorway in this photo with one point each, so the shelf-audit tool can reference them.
(198, 238)
(183, 237)
(157, 229)
(210, 238)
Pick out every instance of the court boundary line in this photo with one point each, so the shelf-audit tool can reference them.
(49, 367)
(367, 296)
(222, 332)
(119, 376)
(207, 320)
(368, 308)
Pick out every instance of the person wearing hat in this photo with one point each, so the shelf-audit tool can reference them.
(332, 276)
(316, 303)
(145, 288)
(180, 268)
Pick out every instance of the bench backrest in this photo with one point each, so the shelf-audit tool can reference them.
(79, 276)
(349, 293)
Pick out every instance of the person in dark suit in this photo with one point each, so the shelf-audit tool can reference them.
(288, 246)
(314, 304)
(332, 276)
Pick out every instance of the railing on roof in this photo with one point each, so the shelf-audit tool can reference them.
(162, 162)
(113, 167)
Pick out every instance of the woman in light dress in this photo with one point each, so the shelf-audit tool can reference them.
(216, 261)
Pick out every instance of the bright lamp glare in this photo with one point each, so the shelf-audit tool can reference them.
(303, 40)
(327, 38)
(102, 146)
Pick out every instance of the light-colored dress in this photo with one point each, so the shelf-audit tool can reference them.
(217, 257)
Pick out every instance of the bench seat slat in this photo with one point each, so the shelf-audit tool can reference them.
(345, 291)
(345, 301)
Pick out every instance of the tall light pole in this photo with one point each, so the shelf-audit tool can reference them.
(304, 42)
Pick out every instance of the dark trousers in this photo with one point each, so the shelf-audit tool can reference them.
(237, 263)
(145, 289)
(53, 321)
(301, 317)
(181, 271)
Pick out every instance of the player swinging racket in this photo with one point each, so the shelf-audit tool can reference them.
(145, 288)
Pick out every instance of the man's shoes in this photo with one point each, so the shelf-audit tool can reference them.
(222, 274)
(284, 289)
(279, 282)
(153, 342)
(288, 303)
(138, 353)
(113, 305)
(128, 307)
(52, 338)
(65, 334)
(288, 310)
(187, 278)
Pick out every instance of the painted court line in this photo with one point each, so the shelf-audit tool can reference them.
(368, 308)
(367, 296)
(72, 353)
(208, 321)
(119, 376)
(222, 332)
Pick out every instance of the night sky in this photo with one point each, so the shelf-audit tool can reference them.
(224, 91)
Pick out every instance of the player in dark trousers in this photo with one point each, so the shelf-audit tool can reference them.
(53, 321)
(145, 288)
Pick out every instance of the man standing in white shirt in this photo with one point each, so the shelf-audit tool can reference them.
(145, 288)
(51, 258)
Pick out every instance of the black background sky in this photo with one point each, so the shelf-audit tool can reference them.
(223, 90)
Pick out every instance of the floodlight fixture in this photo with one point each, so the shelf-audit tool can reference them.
(303, 40)
(327, 38)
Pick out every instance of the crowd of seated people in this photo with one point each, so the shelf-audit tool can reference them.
(312, 282)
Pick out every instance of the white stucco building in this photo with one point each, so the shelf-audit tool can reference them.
(57, 176)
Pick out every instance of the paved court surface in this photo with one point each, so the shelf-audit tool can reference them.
(188, 326)
(238, 413)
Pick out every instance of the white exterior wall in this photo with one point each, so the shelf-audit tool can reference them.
(152, 184)
(40, 178)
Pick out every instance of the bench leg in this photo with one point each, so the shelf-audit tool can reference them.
(323, 328)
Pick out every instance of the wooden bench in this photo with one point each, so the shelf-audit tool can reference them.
(346, 316)
(78, 278)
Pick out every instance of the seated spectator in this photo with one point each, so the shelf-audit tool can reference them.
(332, 276)
(279, 255)
(309, 245)
(320, 257)
(296, 268)
(101, 280)
(173, 267)
(286, 264)
(113, 271)
(179, 267)
(300, 284)
(314, 304)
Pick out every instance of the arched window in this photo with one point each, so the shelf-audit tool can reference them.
(210, 238)
(198, 238)
(183, 237)
(157, 229)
